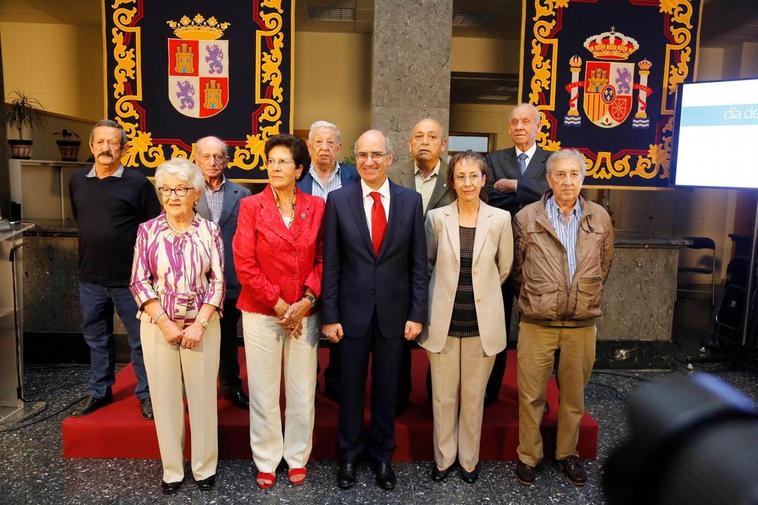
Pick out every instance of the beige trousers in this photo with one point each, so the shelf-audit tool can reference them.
(265, 346)
(536, 349)
(459, 377)
(166, 365)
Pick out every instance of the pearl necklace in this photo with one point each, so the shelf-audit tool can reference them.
(174, 229)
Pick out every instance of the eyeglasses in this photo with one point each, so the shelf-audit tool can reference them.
(377, 155)
(180, 191)
(279, 163)
(462, 179)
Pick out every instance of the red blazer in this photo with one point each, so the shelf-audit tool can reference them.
(273, 261)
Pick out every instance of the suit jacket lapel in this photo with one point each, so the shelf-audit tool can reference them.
(397, 206)
(440, 187)
(302, 211)
(536, 163)
(272, 218)
(452, 225)
(230, 200)
(202, 207)
(482, 227)
(355, 201)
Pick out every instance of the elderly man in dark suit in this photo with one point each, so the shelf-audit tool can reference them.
(427, 175)
(515, 178)
(324, 176)
(374, 297)
(220, 202)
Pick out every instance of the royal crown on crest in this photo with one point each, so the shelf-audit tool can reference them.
(611, 45)
(198, 28)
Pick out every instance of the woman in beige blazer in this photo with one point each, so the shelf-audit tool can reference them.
(470, 251)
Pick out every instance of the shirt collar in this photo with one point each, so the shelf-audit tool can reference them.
(118, 173)
(529, 152)
(556, 210)
(314, 174)
(435, 171)
(220, 187)
(384, 190)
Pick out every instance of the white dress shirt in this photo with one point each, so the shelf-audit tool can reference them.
(368, 201)
(529, 154)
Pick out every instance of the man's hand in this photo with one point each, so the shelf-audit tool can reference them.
(333, 332)
(506, 185)
(412, 330)
(170, 330)
(192, 335)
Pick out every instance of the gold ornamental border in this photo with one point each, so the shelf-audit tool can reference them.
(128, 71)
(656, 162)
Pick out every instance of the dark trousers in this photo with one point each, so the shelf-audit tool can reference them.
(333, 371)
(228, 365)
(386, 354)
(498, 370)
(98, 303)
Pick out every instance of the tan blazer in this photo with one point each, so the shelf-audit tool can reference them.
(492, 258)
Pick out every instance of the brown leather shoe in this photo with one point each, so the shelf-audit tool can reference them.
(525, 474)
(574, 470)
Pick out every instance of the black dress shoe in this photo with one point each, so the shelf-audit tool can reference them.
(470, 477)
(170, 487)
(574, 470)
(525, 473)
(146, 408)
(346, 475)
(207, 483)
(439, 475)
(91, 404)
(385, 475)
(238, 398)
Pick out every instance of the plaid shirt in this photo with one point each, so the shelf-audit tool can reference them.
(215, 200)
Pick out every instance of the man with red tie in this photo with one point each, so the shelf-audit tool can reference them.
(374, 296)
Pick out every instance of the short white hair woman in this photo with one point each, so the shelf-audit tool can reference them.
(178, 283)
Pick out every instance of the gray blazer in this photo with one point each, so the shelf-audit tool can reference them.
(492, 259)
(440, 195)
(233, 193)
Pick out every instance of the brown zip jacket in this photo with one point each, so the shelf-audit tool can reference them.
(540, 267)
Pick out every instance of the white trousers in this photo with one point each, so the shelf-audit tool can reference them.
(166, 365)
(265, 346)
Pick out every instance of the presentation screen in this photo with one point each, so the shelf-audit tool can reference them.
(716, 135)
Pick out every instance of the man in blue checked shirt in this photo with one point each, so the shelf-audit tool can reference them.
(563, 253)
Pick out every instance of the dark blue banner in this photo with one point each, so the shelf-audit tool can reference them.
(604, 75)
(180, 70)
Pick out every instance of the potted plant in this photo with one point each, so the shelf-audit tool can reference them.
(68, 146)
(23, 111)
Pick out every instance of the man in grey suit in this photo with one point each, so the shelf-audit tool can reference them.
(515, 178)
(427, 176)
(219, 203)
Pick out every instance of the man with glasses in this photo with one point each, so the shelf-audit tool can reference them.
(428, 175)
(220, 202)
(108, 203)
(324, 176)
(373, 298)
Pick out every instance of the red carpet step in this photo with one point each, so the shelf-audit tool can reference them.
(118, 430)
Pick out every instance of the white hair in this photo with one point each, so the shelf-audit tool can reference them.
(182, 169)
(323, 124)
(216, 139)
(566, 154)
(532, 109)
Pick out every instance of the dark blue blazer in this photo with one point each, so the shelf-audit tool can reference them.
(348, 176)
(356, 282)
(233, 193)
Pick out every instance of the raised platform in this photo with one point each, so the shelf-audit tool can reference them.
(118, 430)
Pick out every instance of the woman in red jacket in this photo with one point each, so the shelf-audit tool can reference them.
(277, 254)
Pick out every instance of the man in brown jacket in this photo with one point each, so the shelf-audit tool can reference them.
(564, 249)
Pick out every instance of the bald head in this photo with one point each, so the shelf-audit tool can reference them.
(523, 125)
(373, 156)
(427, 143)
(211, 156)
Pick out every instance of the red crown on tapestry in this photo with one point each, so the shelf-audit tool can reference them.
(611, 45)
(198, 28)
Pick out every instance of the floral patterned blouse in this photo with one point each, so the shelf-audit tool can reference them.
(182, 272)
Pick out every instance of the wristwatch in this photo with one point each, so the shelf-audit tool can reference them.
(311, 299)
(203, 322)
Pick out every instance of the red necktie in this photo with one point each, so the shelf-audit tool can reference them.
(378, 222)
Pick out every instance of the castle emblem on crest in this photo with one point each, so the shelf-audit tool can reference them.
(609, 83)
(198, 66)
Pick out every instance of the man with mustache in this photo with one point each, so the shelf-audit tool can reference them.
(516, 178)
(109, 202)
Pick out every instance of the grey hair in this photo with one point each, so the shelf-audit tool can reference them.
(110, 124)
(182, 169)
(211, 137)
(535, 112)
(387, 143)
(324, 124)
(566, 154)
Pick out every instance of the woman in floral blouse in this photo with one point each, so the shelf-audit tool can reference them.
(178, 282)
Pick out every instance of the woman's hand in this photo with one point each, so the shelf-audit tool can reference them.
(170, 330)
(193, 334)
(293, 318)
(281, 308)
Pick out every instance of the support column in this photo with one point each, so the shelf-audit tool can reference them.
(410, 69)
